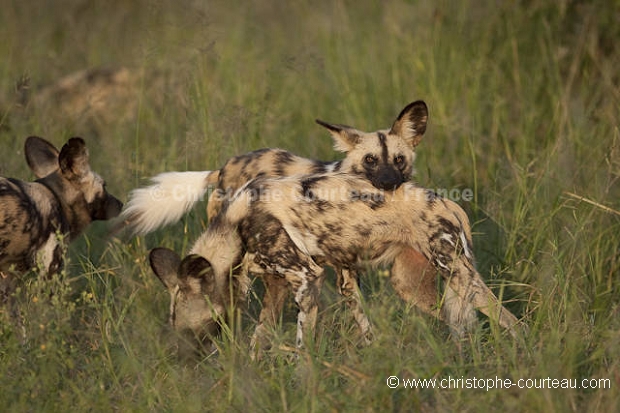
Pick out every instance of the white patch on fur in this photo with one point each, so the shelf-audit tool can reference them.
(441, 264)
(468, 253)
(331, 167)
(301, 316)
(306, 243)
(448, 237)
(93, 188)
(171, 196)
(174, 293)
(301, 319)
(45, 255)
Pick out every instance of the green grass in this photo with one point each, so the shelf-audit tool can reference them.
(524, 102)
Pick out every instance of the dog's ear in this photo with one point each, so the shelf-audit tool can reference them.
(345, 137)
(165, 264)
(411, 123)
(196, 275)
(73, 158)
(41, 156)
(196, 266)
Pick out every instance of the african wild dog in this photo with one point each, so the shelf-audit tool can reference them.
(384, 158)
(291, 227)
(61, 203)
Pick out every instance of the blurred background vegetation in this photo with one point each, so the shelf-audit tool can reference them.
(524, 100)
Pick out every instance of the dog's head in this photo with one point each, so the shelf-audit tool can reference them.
(195, 304)
(384, 157)
(69, 175)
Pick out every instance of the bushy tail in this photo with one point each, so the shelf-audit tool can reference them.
(171, 196)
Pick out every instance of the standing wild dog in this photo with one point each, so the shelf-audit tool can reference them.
(291, 227)
(37, 217)
(384, 158)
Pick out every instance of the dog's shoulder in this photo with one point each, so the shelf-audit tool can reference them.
(27, 202)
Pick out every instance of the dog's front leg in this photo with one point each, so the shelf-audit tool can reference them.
(348, 287)
(276, 288)
(306, 284)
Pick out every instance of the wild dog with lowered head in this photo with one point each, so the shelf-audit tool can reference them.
(384, 158)
(291, 227)
(62, 202)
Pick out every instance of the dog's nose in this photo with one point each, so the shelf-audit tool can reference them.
(388, 180)
(113, 207)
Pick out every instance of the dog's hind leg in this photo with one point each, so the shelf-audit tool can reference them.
(415, 281)
(467, 283)
(459, 314)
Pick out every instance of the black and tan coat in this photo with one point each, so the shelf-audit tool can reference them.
(289, 228)
(37, 219)
(384, 158)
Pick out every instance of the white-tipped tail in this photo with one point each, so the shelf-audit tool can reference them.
(170, 197)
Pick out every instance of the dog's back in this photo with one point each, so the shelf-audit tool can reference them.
(29, 214)
(35, 217)
(385, 158)
(268, 162)
(338, 219)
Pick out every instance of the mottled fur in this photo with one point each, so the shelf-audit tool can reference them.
(61, 203)
(384, 158)
(291, 227)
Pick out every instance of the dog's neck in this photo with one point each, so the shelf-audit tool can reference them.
(72, 224)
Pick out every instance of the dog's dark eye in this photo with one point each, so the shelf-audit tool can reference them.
(370, 159)
(399, 160)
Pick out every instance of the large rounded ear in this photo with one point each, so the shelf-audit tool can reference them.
(411, 123)
(196, 266)
(345, 137)
(165, 264)
(73, 158)
(41, 156)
